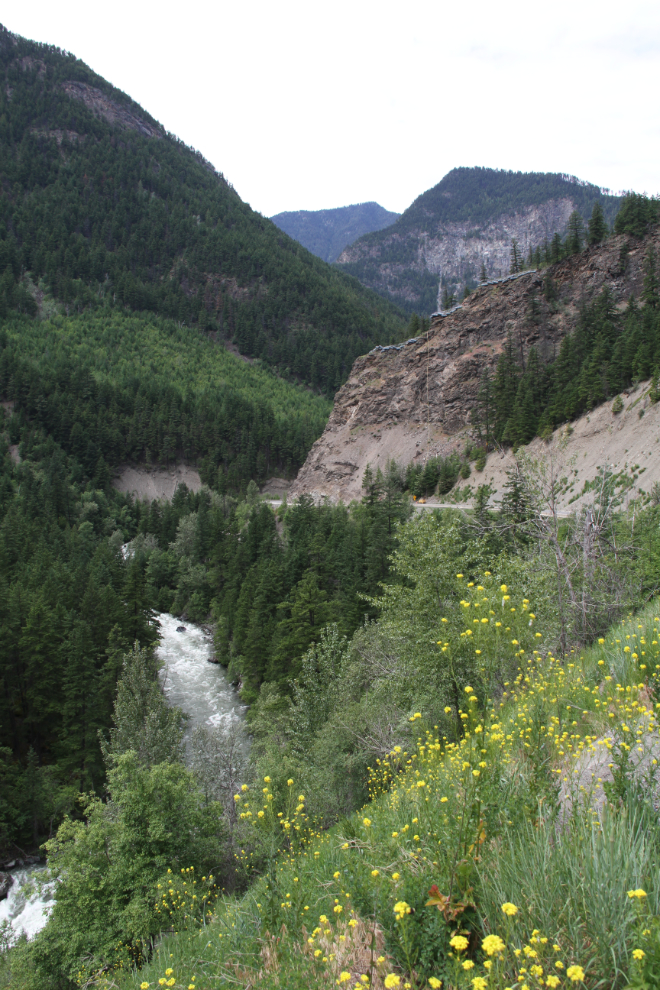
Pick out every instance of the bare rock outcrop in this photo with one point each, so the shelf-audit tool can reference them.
(411, 401)
(110, 110)
(455, 251)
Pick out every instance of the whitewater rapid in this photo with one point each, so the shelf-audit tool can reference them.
(26, 910)
(191, 682)
(200, 688)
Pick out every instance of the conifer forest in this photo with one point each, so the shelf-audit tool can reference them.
(444, 772)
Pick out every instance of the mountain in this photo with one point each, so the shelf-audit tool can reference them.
(468, 220)
(327, 232)
(102, 207)
(517, 359)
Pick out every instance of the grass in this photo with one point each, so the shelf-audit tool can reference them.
(454, 831)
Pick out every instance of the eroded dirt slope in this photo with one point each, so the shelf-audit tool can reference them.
(410, 402)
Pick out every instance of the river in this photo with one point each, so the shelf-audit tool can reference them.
(199, 688)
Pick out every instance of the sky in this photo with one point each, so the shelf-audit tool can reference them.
(308, 105)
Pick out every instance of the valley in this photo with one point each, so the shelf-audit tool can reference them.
(329, 647)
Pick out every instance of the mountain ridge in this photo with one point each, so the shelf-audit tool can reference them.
(468, 220)
(327, 232)
(107, 208)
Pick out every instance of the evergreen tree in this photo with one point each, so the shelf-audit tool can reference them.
(597, 225)
(556, 249)
(505, 388)
(448, 298)
(516, 258)
(143, 720)
(574, 233)
(483, 410)
(651, 286)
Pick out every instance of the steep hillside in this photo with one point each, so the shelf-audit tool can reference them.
(414, 401)
(327, 232)
(468, 220)
(102, 207)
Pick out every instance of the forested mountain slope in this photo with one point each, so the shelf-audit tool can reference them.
(327, 232)
(101, 206)
(464, 227)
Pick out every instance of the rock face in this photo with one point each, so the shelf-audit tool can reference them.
(103, 106)
(455, 252)
(6, 882)
(410, 401)
(468, 220)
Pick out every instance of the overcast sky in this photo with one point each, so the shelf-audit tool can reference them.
(309, 105)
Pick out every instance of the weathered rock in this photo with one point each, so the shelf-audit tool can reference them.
(104, 106)
(454, 250)
(6, 883)
(413, 401)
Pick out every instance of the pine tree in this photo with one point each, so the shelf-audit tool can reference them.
(505, 388)
(574, 233)
(413, 326)
(597, 226)
(556, 249)
(448, 299)
(483, 410)
(516, 258)
(483, 275)
(651, 287)
(143, 720)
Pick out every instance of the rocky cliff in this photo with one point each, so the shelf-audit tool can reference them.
(410, 401)
(465, 222)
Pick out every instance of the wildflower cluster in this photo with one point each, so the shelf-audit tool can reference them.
(169, 980)
(553, 733)
(287, 829)
(535, 963)
(185, 901)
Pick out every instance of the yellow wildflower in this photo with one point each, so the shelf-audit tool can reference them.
(638, 954)
(575, 973)
(468, 964)
(459, 943)
(509, 909)
(391, 981)
(492, 944)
